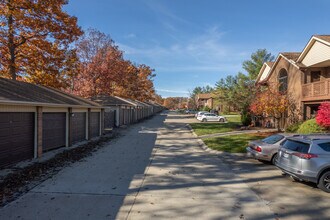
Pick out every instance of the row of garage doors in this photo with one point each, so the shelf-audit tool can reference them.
(17, 133)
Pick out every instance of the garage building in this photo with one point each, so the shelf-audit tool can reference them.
(35, 119)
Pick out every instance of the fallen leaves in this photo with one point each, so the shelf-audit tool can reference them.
(22, 180)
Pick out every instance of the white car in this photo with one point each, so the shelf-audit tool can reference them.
(211, 117)
(198, 114)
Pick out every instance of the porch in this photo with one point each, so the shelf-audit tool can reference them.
(316, 91)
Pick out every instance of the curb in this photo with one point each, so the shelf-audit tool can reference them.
(202, 144)
(235, 133)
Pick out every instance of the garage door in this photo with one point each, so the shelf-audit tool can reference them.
(78, 127)
(95, 124)
(53, 132)
(109, 119)
(16, 137)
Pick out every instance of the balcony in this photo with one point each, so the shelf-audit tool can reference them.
(316, 91)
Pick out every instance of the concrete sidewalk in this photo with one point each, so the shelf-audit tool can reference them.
(156, 171)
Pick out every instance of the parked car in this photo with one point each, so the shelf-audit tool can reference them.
(188, 111)
(200, 113)
(306, 158)
(266, 149)
(211, 117)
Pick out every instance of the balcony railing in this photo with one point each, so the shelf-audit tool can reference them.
(316, 90)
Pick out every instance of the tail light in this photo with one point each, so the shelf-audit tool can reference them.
(256, 148)
(305, 156)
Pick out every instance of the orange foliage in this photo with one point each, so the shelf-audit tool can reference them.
(105, 71)
(270, 103)
(34, 41)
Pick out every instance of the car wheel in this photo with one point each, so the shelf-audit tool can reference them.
(274, 158)
(204, 120)
(221, 120)
(324, 182)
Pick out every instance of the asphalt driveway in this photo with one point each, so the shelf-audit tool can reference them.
(157, 170)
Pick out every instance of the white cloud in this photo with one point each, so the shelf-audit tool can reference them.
(206, 49)
(129, 36)
(172, 91)
(162, 11)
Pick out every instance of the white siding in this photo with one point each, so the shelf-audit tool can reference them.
(265, 73)
(318, 53)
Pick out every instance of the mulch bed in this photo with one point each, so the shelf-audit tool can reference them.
(23, 180)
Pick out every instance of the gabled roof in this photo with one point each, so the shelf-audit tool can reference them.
(270, 64)
(107, 100)
(264, 71)
(322, 56)
(321, 44)
(136, 102)
(290, 57)
(323, 37)
(18, 92)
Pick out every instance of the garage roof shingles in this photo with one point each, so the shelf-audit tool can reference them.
(17, 91)
(107, 100)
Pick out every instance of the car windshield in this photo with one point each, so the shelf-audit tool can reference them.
(273, 139)
(296, 146)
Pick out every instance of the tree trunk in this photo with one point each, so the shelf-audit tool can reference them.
(11, 47)
(278, 124)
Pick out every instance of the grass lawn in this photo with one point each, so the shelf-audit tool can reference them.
(234, 121)
(233, 143)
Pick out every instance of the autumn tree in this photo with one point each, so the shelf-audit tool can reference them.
(105, 71)
(145, 83)
(101, 65)
(175, 102)
(323, 115)
(270, 103)
(158, 99)
(35, 38)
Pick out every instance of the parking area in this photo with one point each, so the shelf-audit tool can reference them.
(287, 198)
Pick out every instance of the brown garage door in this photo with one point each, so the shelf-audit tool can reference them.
(78, 127)
(95, 124)
(16, 137)
(109, 119)
(53, 132)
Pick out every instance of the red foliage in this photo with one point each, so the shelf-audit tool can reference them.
(323, 115)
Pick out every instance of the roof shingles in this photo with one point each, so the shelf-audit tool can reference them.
(291, 55)
(17, 91)
(323, 37)
(107, 100)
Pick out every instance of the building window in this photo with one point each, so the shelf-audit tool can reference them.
(315, 76)
(283, 81)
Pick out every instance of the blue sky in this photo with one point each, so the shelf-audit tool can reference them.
(196, 42)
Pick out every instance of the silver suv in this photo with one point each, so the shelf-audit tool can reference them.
(306, 158)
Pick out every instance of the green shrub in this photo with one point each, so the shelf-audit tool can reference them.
(206, 108)
(293, 128)
(246, 118)
(310, 126)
